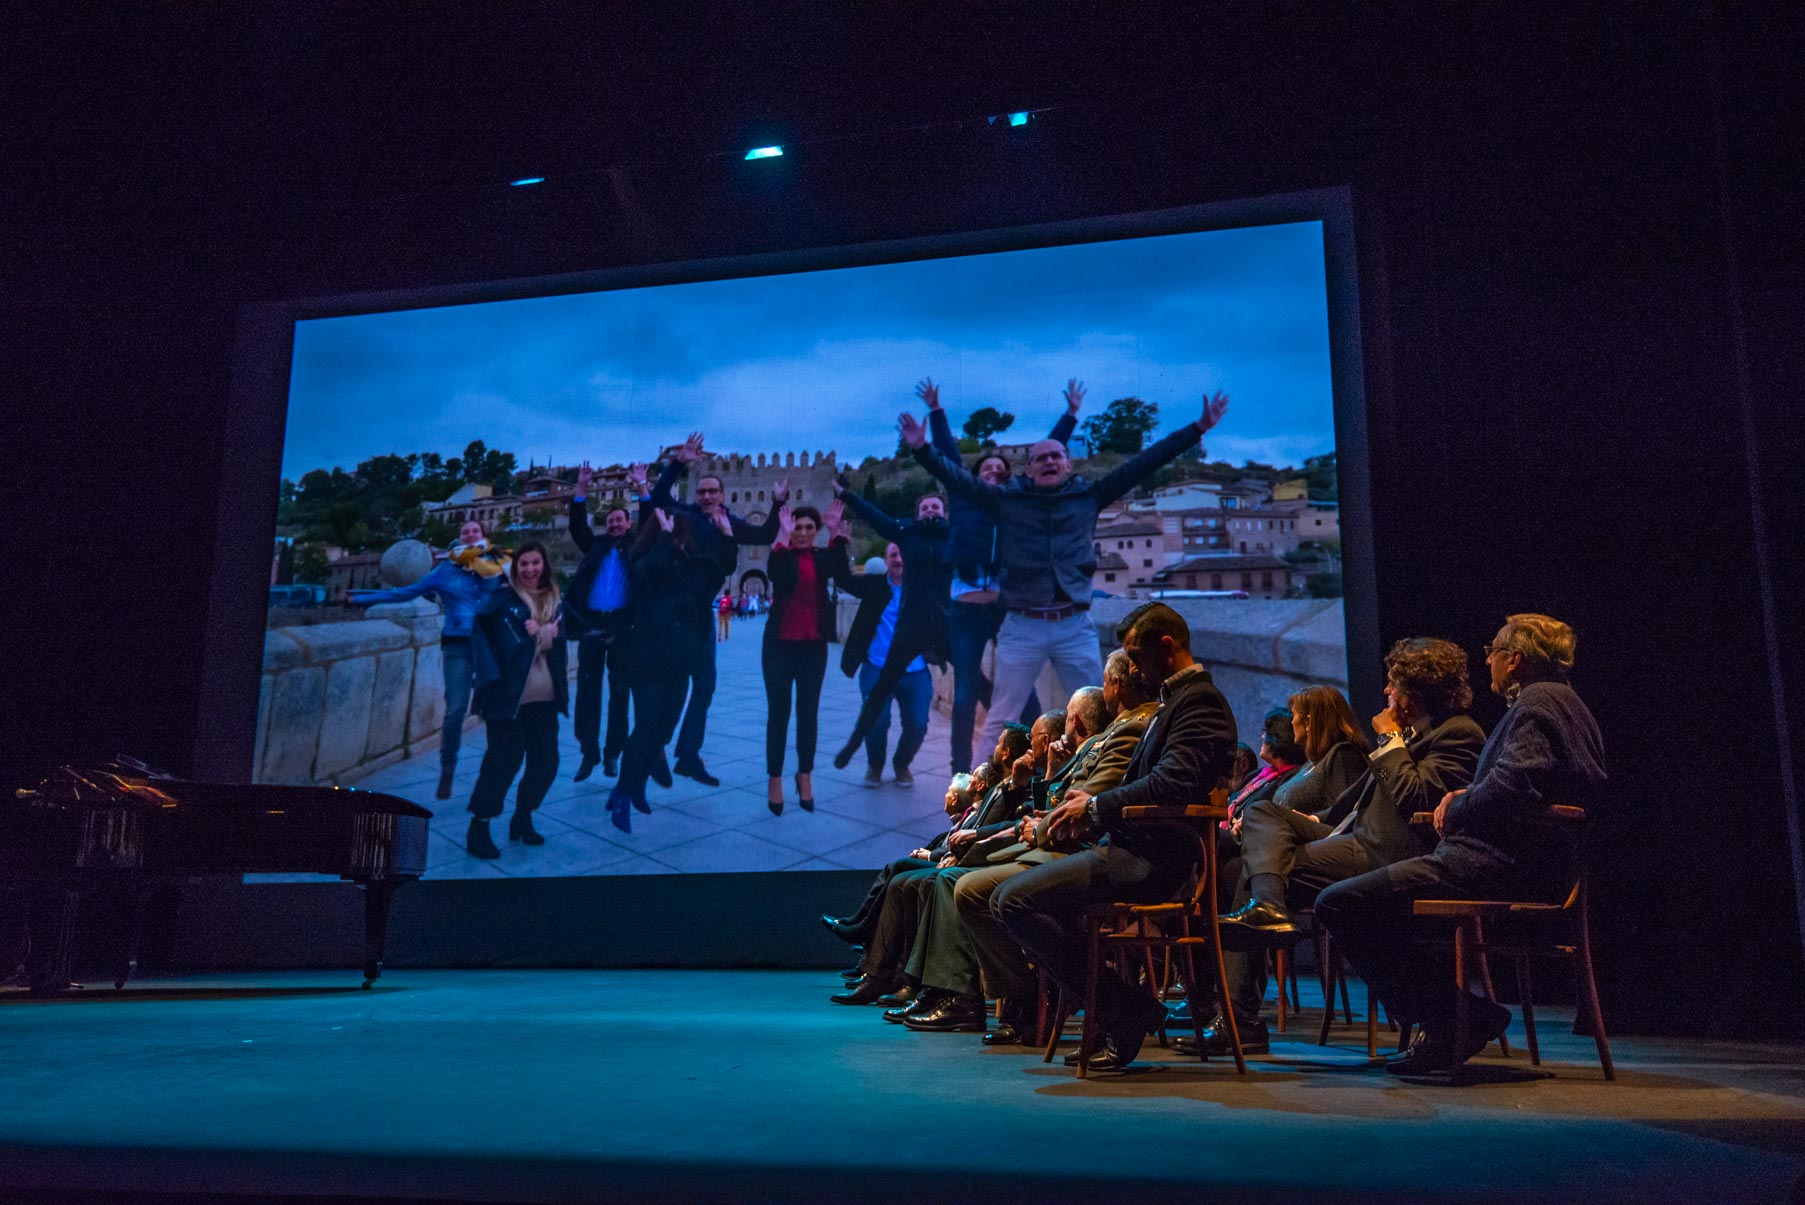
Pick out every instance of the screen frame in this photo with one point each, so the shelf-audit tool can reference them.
(256, 427)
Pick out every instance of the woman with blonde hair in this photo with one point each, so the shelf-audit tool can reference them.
(523, 686)
(1323, 723)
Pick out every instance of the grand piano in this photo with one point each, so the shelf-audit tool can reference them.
(121, 827)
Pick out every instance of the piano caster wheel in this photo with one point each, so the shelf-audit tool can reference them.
(367, 983)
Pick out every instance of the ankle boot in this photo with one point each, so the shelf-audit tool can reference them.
(478, 842)
(520, 828)
(444, 791)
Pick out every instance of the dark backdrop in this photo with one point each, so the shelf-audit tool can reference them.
(1582, 287)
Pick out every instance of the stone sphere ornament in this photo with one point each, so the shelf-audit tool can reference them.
(405, 562)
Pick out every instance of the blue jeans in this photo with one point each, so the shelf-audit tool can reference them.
(914, 696)
(454, 655)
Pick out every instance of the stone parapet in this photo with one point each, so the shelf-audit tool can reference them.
(341, 700)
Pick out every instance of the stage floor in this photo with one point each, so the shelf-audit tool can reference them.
(743, 1085)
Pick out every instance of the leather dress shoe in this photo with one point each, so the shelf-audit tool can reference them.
(1104, 1058)
(1255, 924)
(660, 771)
(838, 927)
(692, 768)
(851, 974)
(870, 991)
(1178, 1016)
(590, 762)
(1255, 1039)
(925, 1000)
(611, 765)
(953, 1014)
(1015, 1029)
(902, 997)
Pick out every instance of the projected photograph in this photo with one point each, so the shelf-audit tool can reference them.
(734, 575)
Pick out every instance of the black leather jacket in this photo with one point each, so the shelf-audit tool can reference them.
(502, 655)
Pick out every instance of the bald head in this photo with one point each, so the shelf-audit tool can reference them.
(1048, 464)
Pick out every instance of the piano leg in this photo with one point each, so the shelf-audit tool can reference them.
(128, 957)
(49, 970)
(377, 897)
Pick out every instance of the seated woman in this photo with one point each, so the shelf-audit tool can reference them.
(1280, 758)
(523, 685)
(1324, 725)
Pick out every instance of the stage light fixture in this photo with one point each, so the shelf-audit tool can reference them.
(764, 152)
(1018, 119)
(526, 180)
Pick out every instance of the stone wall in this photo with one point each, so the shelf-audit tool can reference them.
(341, 700)
(1259, 652)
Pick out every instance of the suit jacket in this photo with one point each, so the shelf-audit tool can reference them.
(873, 591)
(1187, 749)
(1407, 779)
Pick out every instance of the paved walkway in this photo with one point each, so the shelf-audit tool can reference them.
(697, 828)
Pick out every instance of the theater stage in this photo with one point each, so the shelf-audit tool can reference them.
(740, 1085)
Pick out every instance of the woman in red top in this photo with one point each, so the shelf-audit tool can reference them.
(796, 636)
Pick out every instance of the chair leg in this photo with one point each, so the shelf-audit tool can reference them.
(1280, 965)
(1228, 1011)
(1372, 1023)
(1588, 986)
(1331, 972)
(1529, 1012)
(1485, 975)
(1347, 1010)
(1193, 1001)
(1056, 1028)
(1088, 1035)
(1460, 998)
(1043, 1002)
(1297, 1004)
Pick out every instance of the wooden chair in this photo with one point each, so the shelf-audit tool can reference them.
(1186, 926)
(1470, 943)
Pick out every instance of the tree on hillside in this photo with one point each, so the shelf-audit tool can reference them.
(986, 423)
(1123, 426)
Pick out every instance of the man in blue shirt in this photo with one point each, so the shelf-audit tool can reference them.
(598, 617)
(867, 644)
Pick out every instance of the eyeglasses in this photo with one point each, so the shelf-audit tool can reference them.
(1493, 649)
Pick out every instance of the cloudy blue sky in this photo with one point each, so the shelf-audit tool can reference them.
(822, 361)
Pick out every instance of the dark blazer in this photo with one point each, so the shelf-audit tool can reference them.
(1044, 536)
(873, 592)
(710, 545)
(971, 545)
(1407, 780)
(595, 547)
(1187, 749)
(830, 566)
(502, 653)
(927, 575)
(1547, 749)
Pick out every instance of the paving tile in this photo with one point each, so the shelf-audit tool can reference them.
(662, 829)
(808, 832)
(874, 851)
(729, 850)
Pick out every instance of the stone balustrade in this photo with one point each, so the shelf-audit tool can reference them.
(338, 701)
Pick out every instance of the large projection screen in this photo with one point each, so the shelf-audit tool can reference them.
(385, 423)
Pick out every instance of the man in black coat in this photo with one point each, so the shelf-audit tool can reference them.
(1189, 748)
(718, 534)
(1427, 747)
(1499, 840)
(598, 612)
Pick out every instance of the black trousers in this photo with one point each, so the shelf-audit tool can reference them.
(530, 738)
(909, 641)
(864, 917)
(799, 666)
(701, 695)
(599, 656)
(1369, 918)
(657, 703)
(1040, 909)
(1308, 855)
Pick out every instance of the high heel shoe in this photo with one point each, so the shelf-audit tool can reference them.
(520, 828)
(774, 788)
(805, 795)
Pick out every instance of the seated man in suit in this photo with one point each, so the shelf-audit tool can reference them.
(1498, 841)
(1096, 766)
(1188, 748)
(900, 909)
(1427, 747)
